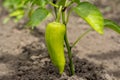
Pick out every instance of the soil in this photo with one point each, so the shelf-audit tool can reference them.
(23, 53)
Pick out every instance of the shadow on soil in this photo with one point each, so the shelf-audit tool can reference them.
(106, 56)
(37, 33)
(111, 55)
(116, 73)
(34, 64)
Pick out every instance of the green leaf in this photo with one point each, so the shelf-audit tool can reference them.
(112, 25)
(16, 13)
(61, 2)
(18, 18)
(11, 2)
(27, 1)
(77, 1)
(41, 3)
(38, 16)
(91, 15)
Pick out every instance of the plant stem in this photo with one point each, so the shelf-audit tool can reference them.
(71, 65)
(68, 16)
(68, 3)
(63, 18)
(81, 36)
(59, 14)
(55, 10)
(53, 4)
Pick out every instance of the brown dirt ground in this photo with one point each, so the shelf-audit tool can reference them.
(23, 54)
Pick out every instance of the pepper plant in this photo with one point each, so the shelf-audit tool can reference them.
(56, 31)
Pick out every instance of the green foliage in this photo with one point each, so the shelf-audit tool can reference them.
(13, 4)
(112, 25)
(37, 16)
(40, 3)
(15, 8)
(61, 2)
(91, 14)
(77, 1)
(86, 10)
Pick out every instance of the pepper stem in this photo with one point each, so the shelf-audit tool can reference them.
(59, 14)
